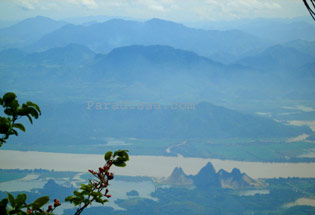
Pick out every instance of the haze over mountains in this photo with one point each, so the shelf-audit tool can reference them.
(154, 61)
(27, 31)
(151, 72)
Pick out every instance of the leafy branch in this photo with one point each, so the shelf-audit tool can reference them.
(92, 192)
(19, 206)
(85, 196)
(14, 112)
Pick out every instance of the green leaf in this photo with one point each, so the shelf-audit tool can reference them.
(87, 187)
(8, 97)
(96, 194)
(34, 105)
(69, 198)
(108, 155)
(33, 112)
(14, 132)
(13, 104)
(19, 126)
(79, 194)
(119, 162)
(8, 112)
(30, 118)
(17, 211)
(11, 199)
(4, 125)
(40, 202)
(20, 200)
(3, 206)
(124, 155)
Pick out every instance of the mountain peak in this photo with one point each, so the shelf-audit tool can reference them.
(157, 20)
(236, 172)
(159, 54)
(207, 177)
(177, 171)
(209, 167)
(178, 178)
(164, 23)
(236, 179)
(41, 20)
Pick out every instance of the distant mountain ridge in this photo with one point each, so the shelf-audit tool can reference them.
(208, 178)
(204, 120)
(27, 31)
(104, 37)
(279, 57)
(151, 72)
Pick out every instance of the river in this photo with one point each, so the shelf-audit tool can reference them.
(153, 166)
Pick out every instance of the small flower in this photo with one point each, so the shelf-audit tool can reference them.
(106, 168)
(111, 176)
(50, 208)
(56, 203)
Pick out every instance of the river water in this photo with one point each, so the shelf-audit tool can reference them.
(153, 166)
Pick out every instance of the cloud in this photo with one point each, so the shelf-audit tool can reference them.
(157, 7)
(91, 4)
(28, 4)
(176, 10)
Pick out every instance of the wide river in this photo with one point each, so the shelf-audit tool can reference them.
(154, 166)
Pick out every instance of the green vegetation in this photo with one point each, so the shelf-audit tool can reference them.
(10, 175)
(88, 193)
(267, 150)
(217, 201)
(14, 112)
(196, 201)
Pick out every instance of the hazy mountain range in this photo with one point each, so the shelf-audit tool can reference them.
(27, 31)
(155, 61)
(159, 73)
(274, 30)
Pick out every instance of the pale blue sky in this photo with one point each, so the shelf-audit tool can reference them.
(176, 10)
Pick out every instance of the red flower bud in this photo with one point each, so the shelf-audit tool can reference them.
(56, 203)
(108, 196)
(50, 208)
(111, 176)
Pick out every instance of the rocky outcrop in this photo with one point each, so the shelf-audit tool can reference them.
(209, 178)
(178, 178)
(236, 180)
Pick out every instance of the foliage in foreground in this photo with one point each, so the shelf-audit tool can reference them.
(85, 196)
(14, 111)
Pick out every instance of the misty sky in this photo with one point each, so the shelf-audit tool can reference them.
(176, 10)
